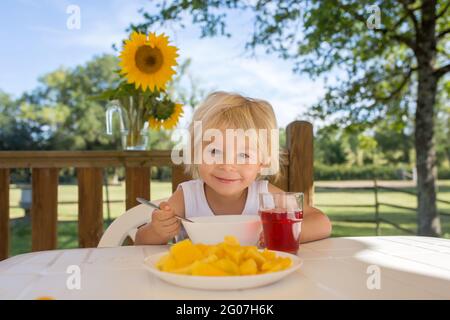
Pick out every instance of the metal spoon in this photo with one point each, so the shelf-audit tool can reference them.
(151, 204)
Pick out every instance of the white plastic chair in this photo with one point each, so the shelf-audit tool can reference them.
(126, 225)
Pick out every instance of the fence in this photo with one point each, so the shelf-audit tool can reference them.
(26, 205)
(377, 204)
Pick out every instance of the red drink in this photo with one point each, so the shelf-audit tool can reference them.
(281, 229)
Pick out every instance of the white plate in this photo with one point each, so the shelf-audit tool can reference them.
(221, 283)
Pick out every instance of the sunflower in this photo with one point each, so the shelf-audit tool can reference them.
(147, 61)
(168, 121)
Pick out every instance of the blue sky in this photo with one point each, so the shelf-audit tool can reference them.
(35, 40)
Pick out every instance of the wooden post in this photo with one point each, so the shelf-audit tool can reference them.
(178, 176)
(90, 206)
(137, 184)
(283, 181)
(299, 140)
(108, 203)
(377, 207)
(44, 209)
(4, 214)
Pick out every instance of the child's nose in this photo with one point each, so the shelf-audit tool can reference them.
(227, 167)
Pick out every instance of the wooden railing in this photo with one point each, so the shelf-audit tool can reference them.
(297, 175)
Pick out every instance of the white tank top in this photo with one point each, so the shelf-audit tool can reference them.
(196, 205)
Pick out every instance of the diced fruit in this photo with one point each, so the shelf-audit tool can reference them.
(269, 255)
(228, 258)
(231, 240)
(228, 266)
(255, 255)
(203, 247)
(248, 267)
(235, 253)
(168, 264)
(286, 262)
(185, 253)
(211, 258)
(207, 269)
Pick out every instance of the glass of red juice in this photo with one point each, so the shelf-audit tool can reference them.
(281, 216)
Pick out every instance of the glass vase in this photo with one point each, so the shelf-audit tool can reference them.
(132, 119)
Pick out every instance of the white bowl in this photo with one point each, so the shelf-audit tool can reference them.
(212, 230)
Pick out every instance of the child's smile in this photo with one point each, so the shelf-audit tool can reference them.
(227, 180)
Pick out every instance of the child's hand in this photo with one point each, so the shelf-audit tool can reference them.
(164, 222)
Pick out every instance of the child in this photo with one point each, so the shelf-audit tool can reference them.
(224, 187)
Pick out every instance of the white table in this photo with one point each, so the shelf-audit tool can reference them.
(335, 268)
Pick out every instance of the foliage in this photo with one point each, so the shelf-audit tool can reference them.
(375, 67)
(366, 172)
(62, 107)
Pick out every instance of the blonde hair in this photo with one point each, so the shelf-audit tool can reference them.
(233, 110)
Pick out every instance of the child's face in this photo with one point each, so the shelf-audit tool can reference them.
(235, 167)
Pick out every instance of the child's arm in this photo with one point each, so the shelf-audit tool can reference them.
(164, 225)
(315, 225)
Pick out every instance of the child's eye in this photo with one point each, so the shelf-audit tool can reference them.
(215, 151)
(244, 155)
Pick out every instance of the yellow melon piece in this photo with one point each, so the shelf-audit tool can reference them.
(277, 264)
(211, 258)
(162, 261)
(210, 250)
(268, 265)
(184, 270)
(185, 253)
(231, 240)
(248, 267)
(188, 269)
(207, 269)
(277, 267)
(216, 250)
(228, 266)
(234, 252)
(167, 263)
(286, 262)
(255, 255)
(202, 247)
(268, 255)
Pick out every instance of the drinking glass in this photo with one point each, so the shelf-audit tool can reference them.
(281, 216)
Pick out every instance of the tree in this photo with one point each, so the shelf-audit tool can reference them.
(443, 128)
(389, 67)
(394, 140)
(62, 106)
(329, 146)
(16, 134)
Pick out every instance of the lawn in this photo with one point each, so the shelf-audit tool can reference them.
(329, 201)
(341, 216)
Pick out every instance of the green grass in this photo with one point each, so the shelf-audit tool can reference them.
(340, 216)
(324, 199)
(68, 213)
